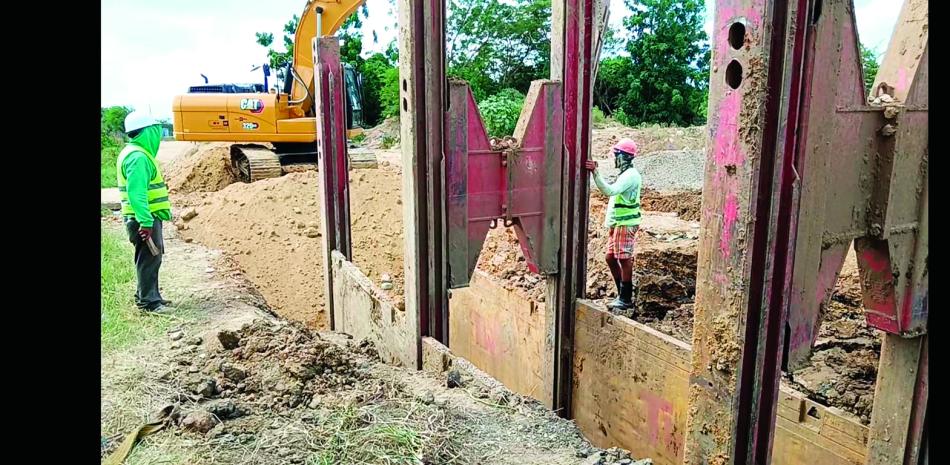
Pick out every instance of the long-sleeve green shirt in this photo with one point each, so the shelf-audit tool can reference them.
(627, 186)
(139, 172)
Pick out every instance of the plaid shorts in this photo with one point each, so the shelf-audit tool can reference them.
(621, 241)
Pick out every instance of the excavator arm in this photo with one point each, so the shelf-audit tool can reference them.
(331, 14)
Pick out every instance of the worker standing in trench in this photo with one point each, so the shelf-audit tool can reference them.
(622, 219)
(145, 205)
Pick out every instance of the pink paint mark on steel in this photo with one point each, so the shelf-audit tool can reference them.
(902, 81)
(730, 214)
(486, 333)
(727, 150)
(660, 422)
(828, 275)
(801, 334)
(719, 278)
(877, 262)
(728, 12)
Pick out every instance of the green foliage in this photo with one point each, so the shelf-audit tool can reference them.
(112, 122)
(870, 66)
(621, 117)
(107, 160)
(380, 88)
(111, 139)
(496, 45)
(121, 324)
(280, 59)
(665, 77)
(389, 142)
(500, 112)
(598, 118)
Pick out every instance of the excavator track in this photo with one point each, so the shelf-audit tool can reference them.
(252, 163)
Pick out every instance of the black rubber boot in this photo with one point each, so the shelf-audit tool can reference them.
(625, 301)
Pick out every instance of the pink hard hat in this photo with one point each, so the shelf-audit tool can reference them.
(626, 145)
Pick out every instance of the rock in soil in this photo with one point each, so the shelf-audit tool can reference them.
(229, 339)
(204, 387)
(199, 421)
(233, 372)
(225, 409)
(189, 214)
(453, 379)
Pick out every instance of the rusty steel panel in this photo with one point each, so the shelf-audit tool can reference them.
(863, 176)
(514, 181)
(332, 159)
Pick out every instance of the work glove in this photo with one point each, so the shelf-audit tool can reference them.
(145, 233)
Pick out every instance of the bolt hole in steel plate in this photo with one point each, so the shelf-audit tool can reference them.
(734, 74)
(737, 35)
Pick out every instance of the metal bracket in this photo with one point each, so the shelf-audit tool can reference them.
(523, 190)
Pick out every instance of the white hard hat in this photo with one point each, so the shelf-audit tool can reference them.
(138, 120)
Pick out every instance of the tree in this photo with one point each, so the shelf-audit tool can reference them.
(280, 60)
(870, 66)
(500, 112)
(380, 87)
(610, 87)
(112, 124)
(496, 45)
(665, 79)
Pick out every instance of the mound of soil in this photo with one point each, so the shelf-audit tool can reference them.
(272, 229)
(648, 139)
(385, 133)
(686, 204)
(205, 170)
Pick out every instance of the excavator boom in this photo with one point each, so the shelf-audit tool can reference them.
(331, 14)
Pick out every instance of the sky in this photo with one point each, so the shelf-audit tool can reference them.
(153, 50)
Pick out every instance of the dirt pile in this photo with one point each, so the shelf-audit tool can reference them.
(347, 407)
(686, 204)
(205, 170)
(385, 135)
(650, 139)
(270, 366)
(272, 229)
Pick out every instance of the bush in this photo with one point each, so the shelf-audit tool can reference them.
(389, 94)
(389, 142)
(621, 117)
(598, 118)
(500, 112)
(107, 173)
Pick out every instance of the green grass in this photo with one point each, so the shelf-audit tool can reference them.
(107, 166)
(122, 324)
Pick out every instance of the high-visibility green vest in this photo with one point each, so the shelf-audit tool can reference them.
(627, 211)
(157, 190)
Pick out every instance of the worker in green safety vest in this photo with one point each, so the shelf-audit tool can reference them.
(144, 205)
(623, 219)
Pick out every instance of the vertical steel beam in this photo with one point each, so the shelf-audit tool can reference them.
(412, 121)
(572, 55)
(748, 197)
(433, 34)
(422, 93)
(332, 159)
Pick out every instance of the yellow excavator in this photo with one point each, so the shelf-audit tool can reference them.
(285, 119)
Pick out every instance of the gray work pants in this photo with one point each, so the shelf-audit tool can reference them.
(147, 295)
